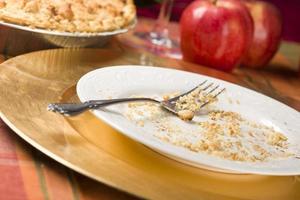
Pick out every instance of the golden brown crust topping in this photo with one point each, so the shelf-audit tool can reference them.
(69, 15)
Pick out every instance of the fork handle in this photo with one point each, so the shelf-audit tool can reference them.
(71, 109)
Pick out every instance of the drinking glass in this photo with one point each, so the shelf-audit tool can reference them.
(157, 40)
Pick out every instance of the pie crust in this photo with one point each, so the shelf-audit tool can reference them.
(89, 16)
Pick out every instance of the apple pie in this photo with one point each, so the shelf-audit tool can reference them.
(90, 16)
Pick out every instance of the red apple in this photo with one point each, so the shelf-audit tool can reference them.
(267, 33)
(215, 33)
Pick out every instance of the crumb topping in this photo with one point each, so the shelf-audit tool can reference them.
(224, 134)
(194, 100)
(69, 15)
(186, 115)
(191, 103)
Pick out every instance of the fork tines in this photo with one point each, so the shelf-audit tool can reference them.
(210, 89)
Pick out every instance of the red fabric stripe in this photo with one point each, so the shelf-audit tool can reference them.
(10, 175)
(11, 184)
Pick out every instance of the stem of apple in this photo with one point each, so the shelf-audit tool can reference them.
(214, 2)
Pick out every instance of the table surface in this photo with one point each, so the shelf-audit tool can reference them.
(26, 173)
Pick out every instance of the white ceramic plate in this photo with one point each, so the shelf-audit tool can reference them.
(125, 81)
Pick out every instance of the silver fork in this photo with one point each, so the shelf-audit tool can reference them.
(71, 109)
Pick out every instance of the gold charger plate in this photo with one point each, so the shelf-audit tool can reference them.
(85, 144)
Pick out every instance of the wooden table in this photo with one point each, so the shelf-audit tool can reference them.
(26, 173)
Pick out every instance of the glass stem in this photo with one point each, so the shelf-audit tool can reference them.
(159, 35)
